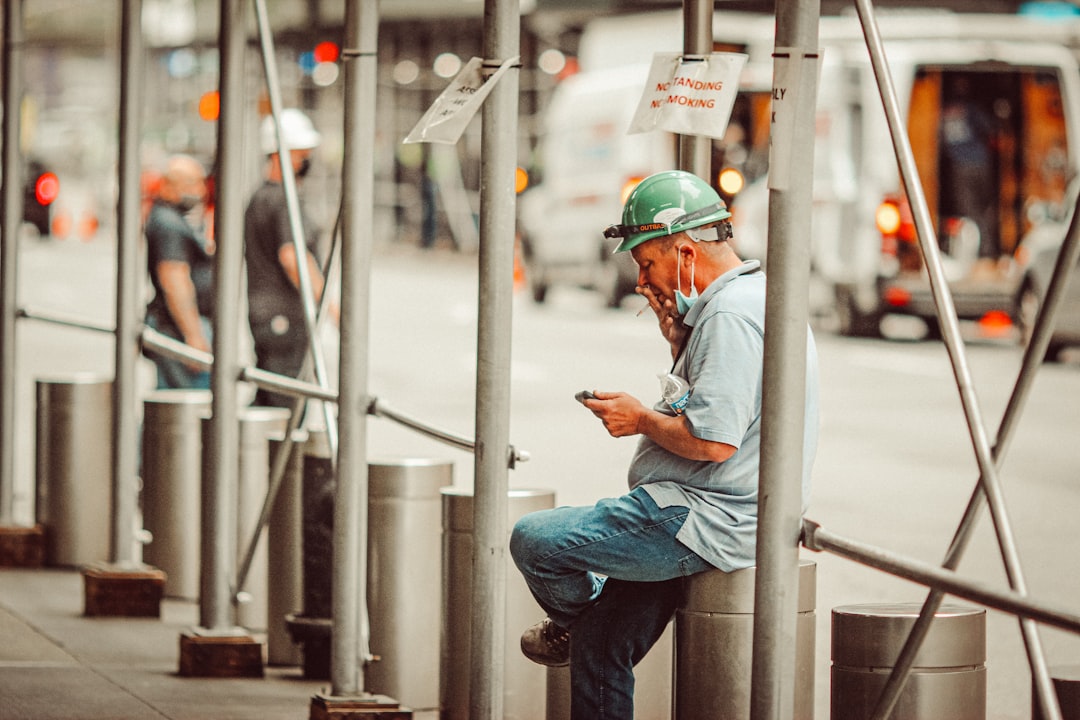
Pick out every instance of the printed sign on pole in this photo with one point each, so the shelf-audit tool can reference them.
(445, 120)
(689, 95)
(788, 102)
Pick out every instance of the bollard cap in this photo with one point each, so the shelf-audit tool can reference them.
(179, 396)
(409, 478)
(716, 591)
(872, 635)
(457, 509)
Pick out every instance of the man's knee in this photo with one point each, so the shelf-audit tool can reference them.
(525, 538)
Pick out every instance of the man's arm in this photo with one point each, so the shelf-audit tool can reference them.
(180, 299)
(624, 415)
(287, 258)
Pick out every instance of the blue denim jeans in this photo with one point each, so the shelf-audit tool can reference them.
(611, 574)
(176, 374)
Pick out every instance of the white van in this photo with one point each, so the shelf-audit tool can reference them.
(992, 108)
(588, 162)
(1019, 74)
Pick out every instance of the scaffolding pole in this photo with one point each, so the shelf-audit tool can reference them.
(219, 526)
(11, 218)
(695, 151)
(784, 384)
(351, 634)
(125, 454)
(502, 27)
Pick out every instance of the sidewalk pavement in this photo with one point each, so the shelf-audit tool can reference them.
(55, 663)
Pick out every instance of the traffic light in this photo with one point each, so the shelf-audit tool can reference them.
(321, 63)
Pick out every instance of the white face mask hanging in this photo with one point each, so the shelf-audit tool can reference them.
(683, 303)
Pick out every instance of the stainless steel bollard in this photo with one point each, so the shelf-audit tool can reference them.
(714, 642)
(310, 628)
(404, 577)
(652, 684)
(948, 679)
(257, 426)
(523, 687)
(172, 485)
(74, 468)
(285, 578)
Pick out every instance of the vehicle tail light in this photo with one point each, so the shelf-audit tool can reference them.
(61, 225)
(896, 296)
(46, 188)
(628, 187)
(88, 226)
(731, 181)
(995, 323)
(887, 218)
(894, 221)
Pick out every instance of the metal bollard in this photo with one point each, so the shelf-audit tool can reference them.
(948, 679)
(404, 569)
(403, 572)
(1066, 680)
(523, 687)
(310, 628)
(74, 468)
(284, 574)
(257, 426)
(652, 684)
(172, 485)
(714, 641)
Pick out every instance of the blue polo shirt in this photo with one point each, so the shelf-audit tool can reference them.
(722, 361)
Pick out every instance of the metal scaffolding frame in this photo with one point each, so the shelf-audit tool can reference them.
(944, 580)
(781, 527)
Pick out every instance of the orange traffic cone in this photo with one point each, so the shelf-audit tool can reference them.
(519, 266)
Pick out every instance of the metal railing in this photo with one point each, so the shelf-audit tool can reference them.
(944, 580)
(177, 350)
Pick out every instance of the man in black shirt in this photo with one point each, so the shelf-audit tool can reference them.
(275, 308)
(181, 266)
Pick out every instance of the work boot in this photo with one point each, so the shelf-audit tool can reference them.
(546, 643)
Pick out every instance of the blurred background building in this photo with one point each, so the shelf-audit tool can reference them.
(71, 62)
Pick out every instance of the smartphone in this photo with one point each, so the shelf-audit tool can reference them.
(584, 395)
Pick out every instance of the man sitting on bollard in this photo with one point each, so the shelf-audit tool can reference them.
(608, 575)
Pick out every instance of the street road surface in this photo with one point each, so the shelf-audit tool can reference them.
(895, 466)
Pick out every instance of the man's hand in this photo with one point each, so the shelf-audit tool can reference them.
(199, 343)
(624, 415)
(671, 324)
(620, 413)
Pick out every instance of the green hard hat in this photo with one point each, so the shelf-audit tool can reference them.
(667, 203)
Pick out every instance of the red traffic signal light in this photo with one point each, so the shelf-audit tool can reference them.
(326, 51)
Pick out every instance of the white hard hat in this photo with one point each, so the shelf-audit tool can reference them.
(299, 133)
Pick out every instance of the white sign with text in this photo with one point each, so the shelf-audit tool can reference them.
(446, 119)
(689, 95)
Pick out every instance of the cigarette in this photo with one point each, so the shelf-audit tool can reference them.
(642, 310)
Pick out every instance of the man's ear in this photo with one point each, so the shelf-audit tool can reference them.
(687, 251)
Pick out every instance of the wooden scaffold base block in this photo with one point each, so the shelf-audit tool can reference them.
(220, 656)
(22, 546)
(363, 707)
(122, 592)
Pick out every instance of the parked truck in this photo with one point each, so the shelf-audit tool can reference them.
(1002, 90)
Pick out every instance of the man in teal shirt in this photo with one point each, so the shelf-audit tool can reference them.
(608, 575)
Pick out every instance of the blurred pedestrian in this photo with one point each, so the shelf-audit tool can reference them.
(609, 575)
(275, 306)
(967, 140)
(181, 267)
